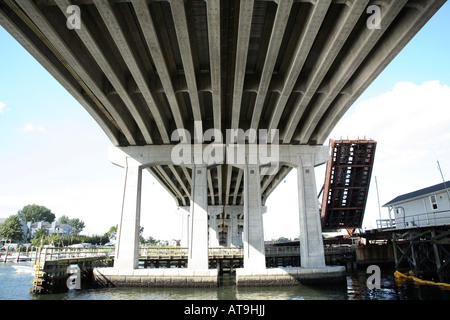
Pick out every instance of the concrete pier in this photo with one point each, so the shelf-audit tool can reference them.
(289, 276)
(165, 277)
(200, 221)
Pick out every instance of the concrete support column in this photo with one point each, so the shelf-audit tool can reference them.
(198, 235)
(311, 243)
(185, 217)
(233, 230)
(127, 250)
(254, 255)
(213, 211)
(234, 238)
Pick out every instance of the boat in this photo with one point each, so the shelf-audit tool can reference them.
(24, 269)
(13, 258)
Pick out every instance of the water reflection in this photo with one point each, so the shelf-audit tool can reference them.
(16, 286)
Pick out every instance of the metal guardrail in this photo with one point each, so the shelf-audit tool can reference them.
(52, 254)
(386, 224)
(428, 219)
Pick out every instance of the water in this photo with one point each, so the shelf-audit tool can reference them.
(15, 286)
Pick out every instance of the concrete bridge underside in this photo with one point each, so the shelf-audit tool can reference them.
(145, 68)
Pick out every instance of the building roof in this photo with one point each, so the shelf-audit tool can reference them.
(48, 225)
(418, 193)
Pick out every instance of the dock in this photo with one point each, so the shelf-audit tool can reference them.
(51, 265)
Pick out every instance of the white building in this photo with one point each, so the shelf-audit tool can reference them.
(422, 208)
(50, 228)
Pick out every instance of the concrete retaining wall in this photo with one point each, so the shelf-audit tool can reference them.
(173, 277)
(290, 276)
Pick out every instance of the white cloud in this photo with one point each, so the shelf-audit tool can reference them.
(30, 127)
(410, 125)
(2, 107)
(408, 122)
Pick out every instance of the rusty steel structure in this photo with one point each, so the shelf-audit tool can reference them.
(346, 186)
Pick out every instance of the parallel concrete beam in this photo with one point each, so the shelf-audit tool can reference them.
(181, 27)
(309, 33)
(94, 49)
(243, 36)
(110, 21)
(152, 41)
(379, 59)
(335, 42)
(278, 29)
(361, 47)
(33, 48)
(213, 17)
(53, 37)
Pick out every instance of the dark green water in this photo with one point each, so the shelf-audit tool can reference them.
(15, 286)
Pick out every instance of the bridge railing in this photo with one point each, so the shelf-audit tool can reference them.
(54, 253)
(151, 251)
(216, 251)
(47, 254)
(275, 251)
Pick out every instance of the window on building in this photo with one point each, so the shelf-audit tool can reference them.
(433, 200)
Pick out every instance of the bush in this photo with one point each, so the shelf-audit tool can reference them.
(60, 241)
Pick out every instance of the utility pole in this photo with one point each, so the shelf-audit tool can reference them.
(445, 185)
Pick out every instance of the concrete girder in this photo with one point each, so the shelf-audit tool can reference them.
(237, 185)
(213, 17)
(44, 25)
(182, 30)
(319, 11)
(360, 49)
(110, 21)
(245, 23)
(211, 188)
(151, 38)
(279, 26)
(171, 184)
(379, 59)
(154, 171)
(245, 19)
(100, 117)
(96, 52)
(335, 42)
(180, 181)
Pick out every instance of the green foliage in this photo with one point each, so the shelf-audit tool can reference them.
(76, 225)
(11, 229)
(151, 241)
(59, 241)
(35, 213)
(112, 233)
(40, 233)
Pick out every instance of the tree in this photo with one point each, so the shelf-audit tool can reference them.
(112, 233)
(64, 219)
(152, 241)
(76, 225)
(11, 229)
(35, 213)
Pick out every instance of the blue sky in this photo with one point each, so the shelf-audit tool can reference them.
(52, 152)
